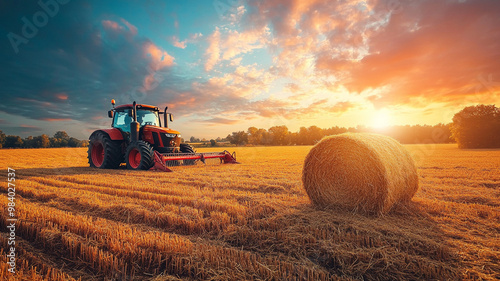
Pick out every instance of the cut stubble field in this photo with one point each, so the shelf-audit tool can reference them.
(251, 221)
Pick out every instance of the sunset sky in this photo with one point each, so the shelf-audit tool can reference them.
(226, 65)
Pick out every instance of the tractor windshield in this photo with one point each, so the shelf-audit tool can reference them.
(123, 119)
(148, 117)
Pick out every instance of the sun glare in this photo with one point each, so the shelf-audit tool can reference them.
(381, 119)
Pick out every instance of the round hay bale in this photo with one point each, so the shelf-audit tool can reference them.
(360, 172)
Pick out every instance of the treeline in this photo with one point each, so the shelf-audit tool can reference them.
(60, 139)
(477, 127)
(280, 135)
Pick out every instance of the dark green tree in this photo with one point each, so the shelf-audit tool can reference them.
(13, 142)
(61, 135)
(2, 139)
(477, 127)
(42, 141)
(238, 138)
(73, 142)
(29, 142)
(213, 142)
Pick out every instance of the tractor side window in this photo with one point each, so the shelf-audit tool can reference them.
(122, 121)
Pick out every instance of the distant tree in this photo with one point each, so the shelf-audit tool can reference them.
(293, 138)
(85, 143)
(193, 139)
(257, 136)
(310, 136)
(302, 136)
(73, 142)
(253, 138)
(29, 142)
(279, 135)
(477, 127)
(213, 142)
(61, 135)
(13, 142)
(58, 142)
(334, 131)
(238, 138)
(42, 141)
(314, 134)
(2, 139)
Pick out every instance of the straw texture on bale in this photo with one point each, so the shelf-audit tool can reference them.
(359, 171)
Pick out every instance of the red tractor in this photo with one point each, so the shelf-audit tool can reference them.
(138, 139)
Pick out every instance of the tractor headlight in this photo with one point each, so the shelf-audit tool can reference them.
(170, 135)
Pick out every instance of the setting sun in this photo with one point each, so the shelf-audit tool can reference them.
(381, 119)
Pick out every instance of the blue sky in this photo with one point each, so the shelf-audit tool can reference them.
(225, 65)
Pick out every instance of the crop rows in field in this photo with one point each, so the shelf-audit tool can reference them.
(241, 222)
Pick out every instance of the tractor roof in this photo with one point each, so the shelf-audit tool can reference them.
(139, 106)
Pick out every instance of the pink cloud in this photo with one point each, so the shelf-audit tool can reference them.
(159, 59)
(183, 44)
(132, 28)
(179, 44)
(109, 24)
(213, 50)
(230, 44)
(61, 96)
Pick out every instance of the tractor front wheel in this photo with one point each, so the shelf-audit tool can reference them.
(139, 156)
(186, 148)
(103, 152)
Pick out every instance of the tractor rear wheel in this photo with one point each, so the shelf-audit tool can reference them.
(103, 152)
(186, 148)
(139, 156)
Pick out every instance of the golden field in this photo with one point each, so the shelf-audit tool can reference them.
(251, 221)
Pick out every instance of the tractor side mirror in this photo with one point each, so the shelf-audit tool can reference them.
(171, 117)
(110, 114)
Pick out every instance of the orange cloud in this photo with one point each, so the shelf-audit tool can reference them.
(158, 60)
(62, 96)
(158, 57)
(177, 43)
(409, 53)
(109, 24)
(28, 126)
(232, 43)
(213, 50)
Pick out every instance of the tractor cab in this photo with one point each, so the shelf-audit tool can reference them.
(142, 122)
(123, 116)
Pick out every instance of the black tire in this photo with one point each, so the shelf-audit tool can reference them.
(186, 148)
(139, 156)
(103, 152)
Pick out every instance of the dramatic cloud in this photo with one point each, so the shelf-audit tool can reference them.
(283, 59)
(75, 64)
(434, 51)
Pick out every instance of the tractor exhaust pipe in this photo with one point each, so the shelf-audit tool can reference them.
(165, 117)
(134, 125)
